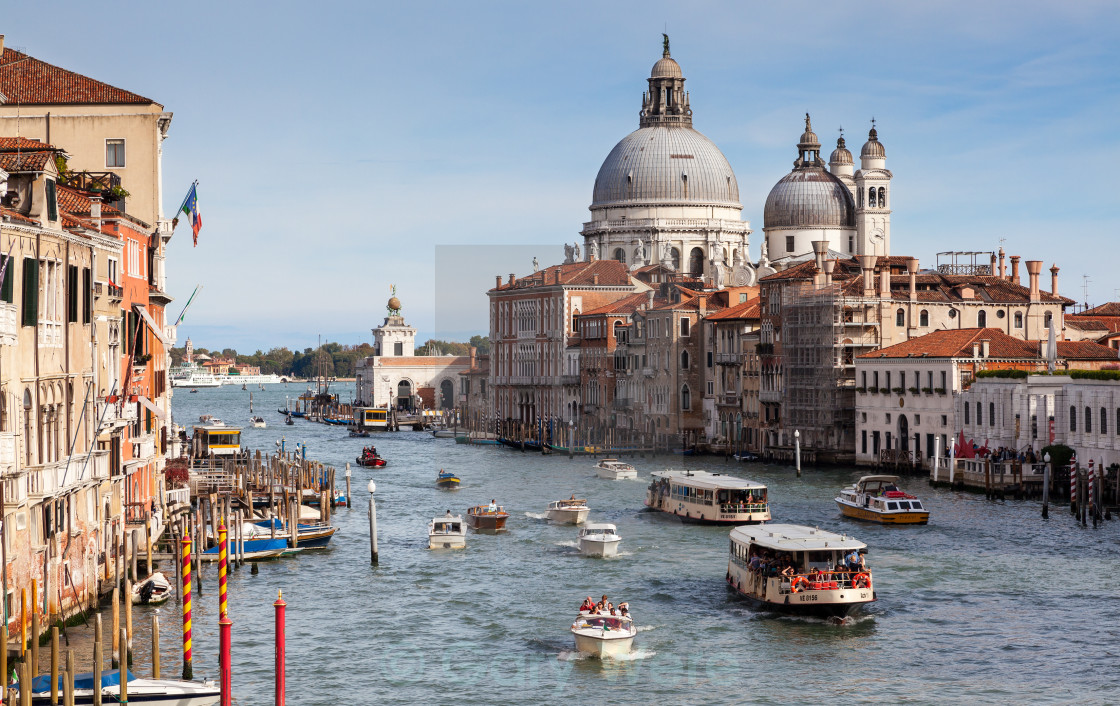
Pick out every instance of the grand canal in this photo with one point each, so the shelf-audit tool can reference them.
(989, 603)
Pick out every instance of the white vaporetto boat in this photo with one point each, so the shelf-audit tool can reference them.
(572, 511)
(447, 532)
(709, 498)
(604, 636)
(599, 539)
(613, 469)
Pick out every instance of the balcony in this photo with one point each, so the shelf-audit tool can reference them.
(50, 334)
(623, 403)
(115, 293)
(158, 297)
(178, 496)
(729, 358)
(729, 399)
(7, 449)
(569, 379)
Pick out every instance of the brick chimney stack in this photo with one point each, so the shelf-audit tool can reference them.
(512, 279)
(497, 281)
(1002, 266)
(1054, 279)
(867, 264)
(1034, 267)
(1015, 269)
(993, 270)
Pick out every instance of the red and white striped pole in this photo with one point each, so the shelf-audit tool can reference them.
(281, 652)
(1092, 479)
(188, 667)
(1073, 484)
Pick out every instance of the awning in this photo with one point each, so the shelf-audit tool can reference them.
(151, 407)
(156, 331)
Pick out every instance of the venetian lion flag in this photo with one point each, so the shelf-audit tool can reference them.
(190, 208)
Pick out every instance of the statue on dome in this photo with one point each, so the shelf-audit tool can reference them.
(665, 44)
(717, 274)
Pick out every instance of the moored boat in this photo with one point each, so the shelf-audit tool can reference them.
(158, 692)
(572, 511)
(613, 469)
(604, 636)
(153, 590)
(490, 517)
(447, 479)
(444, 433)
(879, 499)
(801, 570)
(712, 498)
(447, 532)
(599, 539)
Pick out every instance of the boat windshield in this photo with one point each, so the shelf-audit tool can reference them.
(596, 621)
(445, 527)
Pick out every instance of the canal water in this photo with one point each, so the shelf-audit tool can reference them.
(987, 604)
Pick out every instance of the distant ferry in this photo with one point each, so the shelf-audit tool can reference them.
(195, 376)
(699, 496)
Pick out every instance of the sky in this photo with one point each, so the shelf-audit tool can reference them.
(345, 147)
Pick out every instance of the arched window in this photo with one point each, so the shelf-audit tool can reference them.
(923, 318)
(675, 256)
(991, 414)
(882, 197)
(1018, 319)
(686, 398)
(1072, 418)
(620, 255)
(871, 197)
(1088, 421)
(982, 319)
(684, 360)
(696, 262)
(900, 318)
(1046, 319)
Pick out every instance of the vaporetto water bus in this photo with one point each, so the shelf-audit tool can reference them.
(797, 569)
(713, 498)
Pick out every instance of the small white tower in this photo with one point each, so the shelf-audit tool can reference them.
(873, 198)
(394, 337)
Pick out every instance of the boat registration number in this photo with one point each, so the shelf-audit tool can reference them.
(807, 597)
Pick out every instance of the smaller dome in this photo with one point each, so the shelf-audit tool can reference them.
(666, 67)
(840, 155)
(394, 303)
(873, 149)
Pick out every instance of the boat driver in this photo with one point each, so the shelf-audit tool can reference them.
(493, 506)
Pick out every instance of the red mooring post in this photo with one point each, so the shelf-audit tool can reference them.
(281, 656)
(225, 638)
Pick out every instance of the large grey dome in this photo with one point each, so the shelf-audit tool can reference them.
(666, 165)
(809, 196)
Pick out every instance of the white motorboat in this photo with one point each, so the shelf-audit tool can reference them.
(572, 511)
(447, 532)
(604, 636)
(599, 539)
(613, 469)
(259, 422)
(160, 692)
(154, 590)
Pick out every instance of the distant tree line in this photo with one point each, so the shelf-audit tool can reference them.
(329, 360)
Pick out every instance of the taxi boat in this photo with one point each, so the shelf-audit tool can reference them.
(447, 532)
(821, 584)
(613, 469)
(572, 511)
(710, 498)
(604, 636)
(488, 517)
(447, 480)
(599, 539)
(879, 499)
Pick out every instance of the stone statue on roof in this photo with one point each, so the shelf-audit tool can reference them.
(568, 252)
(666, 254)
(575, 252)
(764, 258)
(536, 265)
(665, 44)
(640, 254)
(592, 251)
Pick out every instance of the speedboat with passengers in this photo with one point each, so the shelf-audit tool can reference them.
(604, 636)
(879, 499)
(572, 511)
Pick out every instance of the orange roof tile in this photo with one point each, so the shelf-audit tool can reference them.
(610, 273)
(1106, 309)
(29, 81)
(417, 361)
(745, 311)
(621, 307)
(956, 343)
(1085, 350)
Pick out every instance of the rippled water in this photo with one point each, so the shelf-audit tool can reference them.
(989, 603)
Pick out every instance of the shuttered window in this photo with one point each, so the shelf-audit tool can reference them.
(72, 294)
(30, 291)
(52, 201)
(87, 295)
(7, 291)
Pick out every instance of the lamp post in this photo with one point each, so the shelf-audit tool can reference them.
(1046, 486)
(571, 437)
(372, 524)
(797, 451)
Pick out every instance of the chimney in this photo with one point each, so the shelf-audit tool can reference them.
(867, 264)
(993, 270)
(1, 44)
(512, 279)
(984, 347)
(975, 351)
(885, 281)
(1034, 267)
(1054, 279)
(1002, 266)
(702, 304)
(829, 266)
(1015, 269)
(649, 299)
(497, 281)
(474, 356)
(595, 279)
(912, 270)
(820, 248)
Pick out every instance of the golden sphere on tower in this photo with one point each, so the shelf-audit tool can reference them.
(394, 303)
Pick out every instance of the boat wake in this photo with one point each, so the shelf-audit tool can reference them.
(570, 543)
(847, 621)
(640, 653)
(572, 656)
(537, 515)
(645, 628)
(577, 656)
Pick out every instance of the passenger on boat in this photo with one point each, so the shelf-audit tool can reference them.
(587, 605)
(448, 514)
(493, 506)
(853, 560)
(624, 609)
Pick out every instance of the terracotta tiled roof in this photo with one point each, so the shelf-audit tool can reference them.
(626, 305)
(11, 215)
(745, 311)
(1106, 309)
(1084, 350)
(12, 162)
(1085, 324)
(956, 343)
(611, 273)
(10, 144)
(29, 81)
(804, 270)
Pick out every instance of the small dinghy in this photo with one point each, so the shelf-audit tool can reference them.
(154, 590)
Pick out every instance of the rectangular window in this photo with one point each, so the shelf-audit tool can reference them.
(929, 445)
(52, 201)
(943, 386)
(966, 413)
(684, 327)
(398, 348)
(863, 442)
(87, 295)
(72, 294)
(710, 356)
(114, 154)
(944, 420)
(30, 291)
(7, 292)
(789, 243)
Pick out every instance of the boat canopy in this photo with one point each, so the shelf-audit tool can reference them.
(794, 538)
(707, 481)
(878, 479)
(83, 680)
(571, 502)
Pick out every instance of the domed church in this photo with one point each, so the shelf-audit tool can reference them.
(666, 194)
(851, 211)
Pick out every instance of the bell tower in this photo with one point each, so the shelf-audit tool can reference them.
(873, 198)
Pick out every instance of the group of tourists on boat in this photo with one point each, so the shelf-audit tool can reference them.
(850, 570)
(604, 607)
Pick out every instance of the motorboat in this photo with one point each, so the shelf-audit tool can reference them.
(312, 535)
(490, 517)
(613, 469)
(447, 480)
(447, 532)
(258, 422)
(359, 433)
(194, 391)
(745, 456)
(800, 570)
(370, 458)
(153, 590)
(599, 539)
(879, 499)
(158, 692)
(604, 636)
(572, 511)
(444, 433)
(708, 498)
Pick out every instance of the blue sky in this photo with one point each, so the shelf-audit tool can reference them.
(338, 145)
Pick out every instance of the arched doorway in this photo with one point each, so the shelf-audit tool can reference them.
(696, 262)
(903, 433)
(446, 395)
(404, 395)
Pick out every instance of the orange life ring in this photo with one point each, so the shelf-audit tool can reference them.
(797, 581)
(861, 578)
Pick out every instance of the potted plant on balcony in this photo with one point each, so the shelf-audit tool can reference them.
(927, 390)
(914, 390)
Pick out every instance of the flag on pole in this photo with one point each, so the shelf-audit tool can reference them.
(190, 208)
(4, 268)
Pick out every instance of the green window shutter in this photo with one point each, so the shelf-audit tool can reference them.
(87, 295)
(7, 290)
(52, 201)
(30, 291)
(127, 337)
(71, 294)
